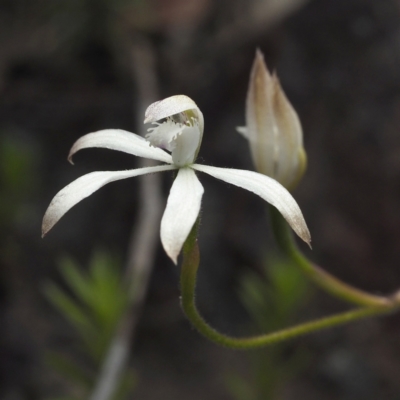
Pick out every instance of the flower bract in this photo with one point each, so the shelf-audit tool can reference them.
(273, 128)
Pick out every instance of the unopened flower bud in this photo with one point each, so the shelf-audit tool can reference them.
(273, 128)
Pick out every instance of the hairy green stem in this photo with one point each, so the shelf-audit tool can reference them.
(334, 286)
(191, 259)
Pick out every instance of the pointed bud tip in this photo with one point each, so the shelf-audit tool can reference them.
(259, 54)
(259, 63)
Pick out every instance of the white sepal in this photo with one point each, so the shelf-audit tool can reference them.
(181, 212)
(268, 189)
(83, 187)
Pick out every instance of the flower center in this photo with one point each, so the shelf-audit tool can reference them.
(179, 134)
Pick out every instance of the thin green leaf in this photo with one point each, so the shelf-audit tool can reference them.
(240, 388)
(70, 310)
(77, 280)
(70, 369)
(126, 385)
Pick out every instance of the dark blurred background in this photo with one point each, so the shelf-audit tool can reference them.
(66, 69)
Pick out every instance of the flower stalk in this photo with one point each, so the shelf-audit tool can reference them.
(275, 137)
(191, 259)
(322, 278)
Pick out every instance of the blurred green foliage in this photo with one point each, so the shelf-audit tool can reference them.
(17, 175)
(272, 298)
(94, 305)
(19, 184)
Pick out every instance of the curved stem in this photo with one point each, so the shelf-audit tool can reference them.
(191, 258)
(284, 237)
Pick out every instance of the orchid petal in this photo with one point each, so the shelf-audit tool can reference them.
(84, 187)
(117, 139)
(268, 189)
(183, 207)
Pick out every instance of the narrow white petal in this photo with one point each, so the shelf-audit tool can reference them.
(168, 107)
(183, 207)
(117, 139)
(268, 189)
(84, 187)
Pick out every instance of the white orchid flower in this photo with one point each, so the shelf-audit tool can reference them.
(273, 128)
(180, 133)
